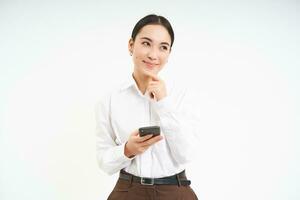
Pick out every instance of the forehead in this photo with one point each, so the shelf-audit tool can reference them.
(157, 33)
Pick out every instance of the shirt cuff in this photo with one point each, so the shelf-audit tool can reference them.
(120, 153)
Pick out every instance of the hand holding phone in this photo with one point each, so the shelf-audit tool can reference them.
(138, 144)
(149, 130)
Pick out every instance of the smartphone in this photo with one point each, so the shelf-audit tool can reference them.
(154, 130)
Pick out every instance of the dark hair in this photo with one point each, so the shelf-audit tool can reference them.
(153, 20)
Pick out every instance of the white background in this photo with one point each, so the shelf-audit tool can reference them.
(58, 57)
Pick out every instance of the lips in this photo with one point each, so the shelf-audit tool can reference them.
(149, 64)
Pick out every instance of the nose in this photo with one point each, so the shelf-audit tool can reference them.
(153, 54)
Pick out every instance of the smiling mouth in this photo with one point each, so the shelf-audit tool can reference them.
(150, 64)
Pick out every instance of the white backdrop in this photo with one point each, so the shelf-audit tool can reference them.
(57, 58)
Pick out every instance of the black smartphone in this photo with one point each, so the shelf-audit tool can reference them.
(154, 130)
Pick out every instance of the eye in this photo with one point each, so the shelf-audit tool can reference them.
(146, 43)
(165, 48)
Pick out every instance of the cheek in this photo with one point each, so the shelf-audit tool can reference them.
(138, 54)
(137, 58)
(138, 50)
(164, 58)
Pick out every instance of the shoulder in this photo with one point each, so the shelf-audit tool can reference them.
(104, 97)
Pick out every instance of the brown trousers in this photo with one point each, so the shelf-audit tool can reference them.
(124, 190)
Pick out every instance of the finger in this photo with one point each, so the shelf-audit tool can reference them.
(152, 140)
(144, 138)
(154, 83)
(142, 149)
(151, 92)
(152, 88)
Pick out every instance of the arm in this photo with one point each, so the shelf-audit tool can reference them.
(178, 120)
(110, 155)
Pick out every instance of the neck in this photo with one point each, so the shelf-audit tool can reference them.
(141, 81)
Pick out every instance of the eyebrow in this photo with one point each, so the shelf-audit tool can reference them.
(146, 38)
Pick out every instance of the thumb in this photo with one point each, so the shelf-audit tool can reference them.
(135, 132)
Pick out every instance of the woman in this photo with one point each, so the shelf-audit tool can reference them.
(150, 167)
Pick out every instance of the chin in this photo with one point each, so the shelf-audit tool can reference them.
(150, 71)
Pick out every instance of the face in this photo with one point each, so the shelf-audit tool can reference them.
(151, 49)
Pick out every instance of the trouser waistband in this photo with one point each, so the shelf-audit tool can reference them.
(177, 179)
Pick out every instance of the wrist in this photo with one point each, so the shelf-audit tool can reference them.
(127, 152)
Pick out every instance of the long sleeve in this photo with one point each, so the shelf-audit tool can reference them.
(178, 120)
(110, 155)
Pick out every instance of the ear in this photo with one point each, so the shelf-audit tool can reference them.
(130, 45)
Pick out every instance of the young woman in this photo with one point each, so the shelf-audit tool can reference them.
(150, 167)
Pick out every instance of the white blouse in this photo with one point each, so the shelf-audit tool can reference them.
(125, 109)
